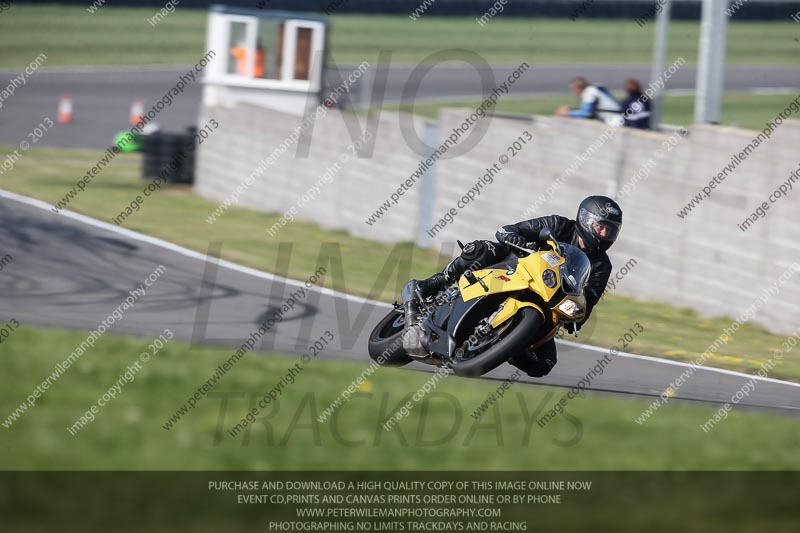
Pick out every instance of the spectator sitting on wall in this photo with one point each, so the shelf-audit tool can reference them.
(635, 109)
(596, 102)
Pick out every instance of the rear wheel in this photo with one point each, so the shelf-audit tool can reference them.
(505, 341)
(385, 344)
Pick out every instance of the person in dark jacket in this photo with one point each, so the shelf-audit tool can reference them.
(594, 231)
(635, 107)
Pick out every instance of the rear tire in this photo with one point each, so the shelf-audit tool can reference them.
(385, 344)
(522, 335)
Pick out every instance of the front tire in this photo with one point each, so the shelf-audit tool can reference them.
(385, 344)
(521, 335)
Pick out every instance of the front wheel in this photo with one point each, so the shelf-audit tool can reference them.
(507, 339)
(385, 344)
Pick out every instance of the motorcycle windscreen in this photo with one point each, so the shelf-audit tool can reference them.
(575, 270)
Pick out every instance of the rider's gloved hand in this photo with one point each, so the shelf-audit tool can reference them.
(513, 238)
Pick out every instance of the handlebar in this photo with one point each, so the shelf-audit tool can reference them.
(529, 247)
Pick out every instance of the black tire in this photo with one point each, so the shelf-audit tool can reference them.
(521, 335)
(385, 344)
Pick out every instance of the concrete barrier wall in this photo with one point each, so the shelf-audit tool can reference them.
(249, 134)
(703, 261)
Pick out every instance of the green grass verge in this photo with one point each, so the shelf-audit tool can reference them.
(177, 215)
(127, 433)
(122, 36)
(738, 109)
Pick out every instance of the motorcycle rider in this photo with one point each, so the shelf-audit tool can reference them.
(594, 231)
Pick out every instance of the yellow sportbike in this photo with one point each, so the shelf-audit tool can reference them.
(493, 313)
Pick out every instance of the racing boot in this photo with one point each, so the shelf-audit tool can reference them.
(433, 284)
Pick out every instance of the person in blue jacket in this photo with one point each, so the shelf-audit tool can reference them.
(596, 103)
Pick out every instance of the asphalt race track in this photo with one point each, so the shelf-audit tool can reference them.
(72, 271)
(102, 96)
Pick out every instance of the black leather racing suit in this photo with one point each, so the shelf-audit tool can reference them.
(481, 254)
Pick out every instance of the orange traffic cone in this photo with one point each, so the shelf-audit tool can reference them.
(137, 110)
(65, 110)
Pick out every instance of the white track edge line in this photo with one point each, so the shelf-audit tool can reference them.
(176, 248)
(266, 275)
(680, 363)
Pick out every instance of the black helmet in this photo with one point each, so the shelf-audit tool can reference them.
(598, 223)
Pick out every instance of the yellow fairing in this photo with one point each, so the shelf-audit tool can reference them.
(536, 264)
(528, 275)
(510, 308)
(497, 280)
